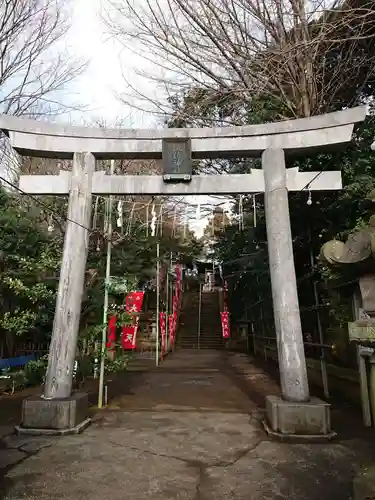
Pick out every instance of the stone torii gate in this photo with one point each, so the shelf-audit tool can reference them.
(60, 411)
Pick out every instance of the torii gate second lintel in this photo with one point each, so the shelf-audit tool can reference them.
(104, 185)
(269, 140)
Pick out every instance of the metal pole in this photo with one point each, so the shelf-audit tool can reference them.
(323, 364)
(157, 300)
(106, 294)
(199, 315)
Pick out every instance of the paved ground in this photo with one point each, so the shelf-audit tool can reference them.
(190, 431)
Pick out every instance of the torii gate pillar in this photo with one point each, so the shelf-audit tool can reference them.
(294, 414)
(62, 353)
(291, 354)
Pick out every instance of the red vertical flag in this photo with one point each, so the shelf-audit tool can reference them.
(171, 329)
(128, 336)
(134, 302)
(111, 336)
(225, 324)
(133, 305)
(163, 334)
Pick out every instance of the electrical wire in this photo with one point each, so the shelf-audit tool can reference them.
(59, 218)
(46, 207)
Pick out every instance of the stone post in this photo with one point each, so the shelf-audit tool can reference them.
(292, 364)
(63, 346)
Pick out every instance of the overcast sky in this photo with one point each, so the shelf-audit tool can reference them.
(104, 77)
(96, 87)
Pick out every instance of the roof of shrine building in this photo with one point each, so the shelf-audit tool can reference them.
(43, 139)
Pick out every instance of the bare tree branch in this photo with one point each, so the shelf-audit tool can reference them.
(302, 54)
(34, 65)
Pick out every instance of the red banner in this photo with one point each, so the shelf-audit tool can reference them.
(163, 333)
(128, 336)
(134, 302)
(111, 336)
(133, 305)
(225, 324)
(176, 304)
(171, 330)
(170, 324)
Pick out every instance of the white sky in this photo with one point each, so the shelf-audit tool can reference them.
(87, 39)
(104, 77)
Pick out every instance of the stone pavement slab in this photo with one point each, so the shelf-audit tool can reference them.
(187, 455)
(185, 434)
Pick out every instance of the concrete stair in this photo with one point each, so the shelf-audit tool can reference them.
(210, 332)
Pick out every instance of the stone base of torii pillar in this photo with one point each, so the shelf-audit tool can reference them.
(295, 415)
(288, 421)
(55, 417)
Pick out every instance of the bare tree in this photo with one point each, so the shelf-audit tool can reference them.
(34, 65)
(303, 54)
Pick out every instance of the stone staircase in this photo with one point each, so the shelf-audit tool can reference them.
(210, 332)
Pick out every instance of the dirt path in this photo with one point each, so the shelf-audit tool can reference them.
(185, 381)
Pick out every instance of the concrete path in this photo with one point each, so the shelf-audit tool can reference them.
(190, 431)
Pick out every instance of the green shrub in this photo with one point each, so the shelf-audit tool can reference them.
(19, 380)
(117, 365)
(35, 371)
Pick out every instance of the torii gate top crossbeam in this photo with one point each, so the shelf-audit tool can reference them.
(41, 139)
